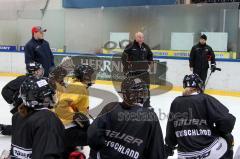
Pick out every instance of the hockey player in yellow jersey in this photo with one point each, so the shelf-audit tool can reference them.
(72, 98)
(73, 106)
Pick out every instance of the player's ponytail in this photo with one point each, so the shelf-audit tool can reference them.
(24, 110)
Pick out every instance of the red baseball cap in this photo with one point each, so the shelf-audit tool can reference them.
(36, 29)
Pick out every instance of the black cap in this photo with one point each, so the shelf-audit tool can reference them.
(203, 36)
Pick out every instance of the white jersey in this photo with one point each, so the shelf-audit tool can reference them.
(216, 150)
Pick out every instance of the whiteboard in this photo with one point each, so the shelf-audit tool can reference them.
(182, 41)
(119, 36)
(217, 40)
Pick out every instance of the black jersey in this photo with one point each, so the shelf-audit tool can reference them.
(136, 58)
(121, 132)
(197, 121)
(200, 55)
(37, 136)
(10, 91)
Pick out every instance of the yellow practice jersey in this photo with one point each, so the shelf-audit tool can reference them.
(72, 98)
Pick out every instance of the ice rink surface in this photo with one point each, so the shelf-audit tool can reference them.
(161, 104)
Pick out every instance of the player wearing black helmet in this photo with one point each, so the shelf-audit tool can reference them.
(85, 74)
(35, 69)
(127, 130)
(197, 124)
(37, 132)
(135, 91)
(56, 77)
(73, 106)
(10, 91)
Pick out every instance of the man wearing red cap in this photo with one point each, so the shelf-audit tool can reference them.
(38, 50)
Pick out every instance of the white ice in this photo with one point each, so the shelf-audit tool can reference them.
(161, 102)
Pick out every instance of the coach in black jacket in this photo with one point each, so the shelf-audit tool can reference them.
(137, 56)
(199, 57)
(38, 50)
(137, 59)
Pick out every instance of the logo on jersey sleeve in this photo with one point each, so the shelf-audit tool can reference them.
(21, 153)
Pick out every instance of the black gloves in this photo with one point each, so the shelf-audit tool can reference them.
(81, 120)
(169, 151)
(230, 140)
(213, 68)
(5, 129)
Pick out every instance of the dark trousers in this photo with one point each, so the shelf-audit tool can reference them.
(201, 73)
(74, 137)
(145, 76)
(93, 154)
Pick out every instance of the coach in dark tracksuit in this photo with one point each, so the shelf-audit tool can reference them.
(137, 59)
(199, 57)
(38, 50)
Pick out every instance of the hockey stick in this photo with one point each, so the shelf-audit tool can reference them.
(90, 116)
(216, 69)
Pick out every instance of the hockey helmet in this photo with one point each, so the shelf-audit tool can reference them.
(32, 67)
(194, 81)
(36, 93)
(85, 73)
(57, 74)
(135, 91)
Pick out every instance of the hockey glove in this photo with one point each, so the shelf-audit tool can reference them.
(77, 155)
(81, 120)
(169, 151)
(230, 141)
(5, 129)
(213, 68)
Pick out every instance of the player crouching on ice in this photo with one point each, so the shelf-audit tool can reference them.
(126, 130)
(73, 107)
(198, 124)
(10, 91)
(37, 132)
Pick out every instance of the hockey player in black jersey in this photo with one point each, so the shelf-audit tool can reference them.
(198, 124)
(127, 130)
(10, 91)
(37, 132)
